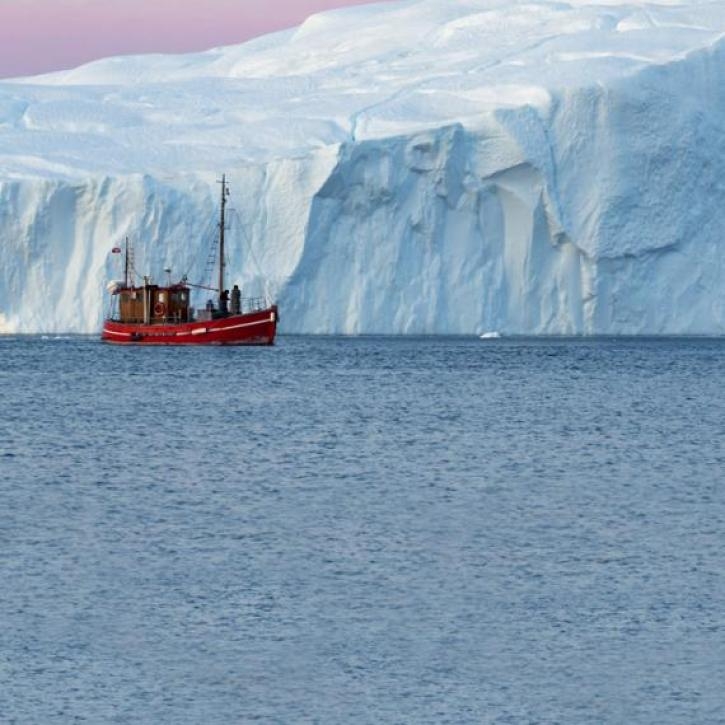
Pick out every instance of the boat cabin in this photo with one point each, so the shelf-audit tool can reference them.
(152, 304)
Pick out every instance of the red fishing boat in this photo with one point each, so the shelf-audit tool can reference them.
(151, 314)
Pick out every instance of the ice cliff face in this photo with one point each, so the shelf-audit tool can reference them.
(425, 166)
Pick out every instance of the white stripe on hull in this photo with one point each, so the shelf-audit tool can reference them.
(198, 331)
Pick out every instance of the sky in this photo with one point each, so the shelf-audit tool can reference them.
(37, 36)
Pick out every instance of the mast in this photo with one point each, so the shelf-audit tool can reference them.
(125, 267)
(222, 227)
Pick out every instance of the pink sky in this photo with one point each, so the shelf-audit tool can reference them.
(42, 35)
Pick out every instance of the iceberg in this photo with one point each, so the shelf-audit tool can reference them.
(410, 167)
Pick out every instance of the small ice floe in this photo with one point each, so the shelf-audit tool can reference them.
(490, 335)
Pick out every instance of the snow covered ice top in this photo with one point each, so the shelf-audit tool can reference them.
(364, 72)
(424, 166)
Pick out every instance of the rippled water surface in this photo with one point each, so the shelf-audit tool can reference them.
(363, 530)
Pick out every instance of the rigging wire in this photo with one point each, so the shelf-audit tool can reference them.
(202, 249)
(210, 232)
(134, 274)
(247, 242)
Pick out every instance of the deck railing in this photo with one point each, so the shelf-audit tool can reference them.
(254, 304)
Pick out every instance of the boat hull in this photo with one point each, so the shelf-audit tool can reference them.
(251, 328)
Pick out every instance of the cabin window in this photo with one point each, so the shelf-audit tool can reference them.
(162, 297)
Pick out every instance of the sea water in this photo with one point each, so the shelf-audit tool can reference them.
(363, 530)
